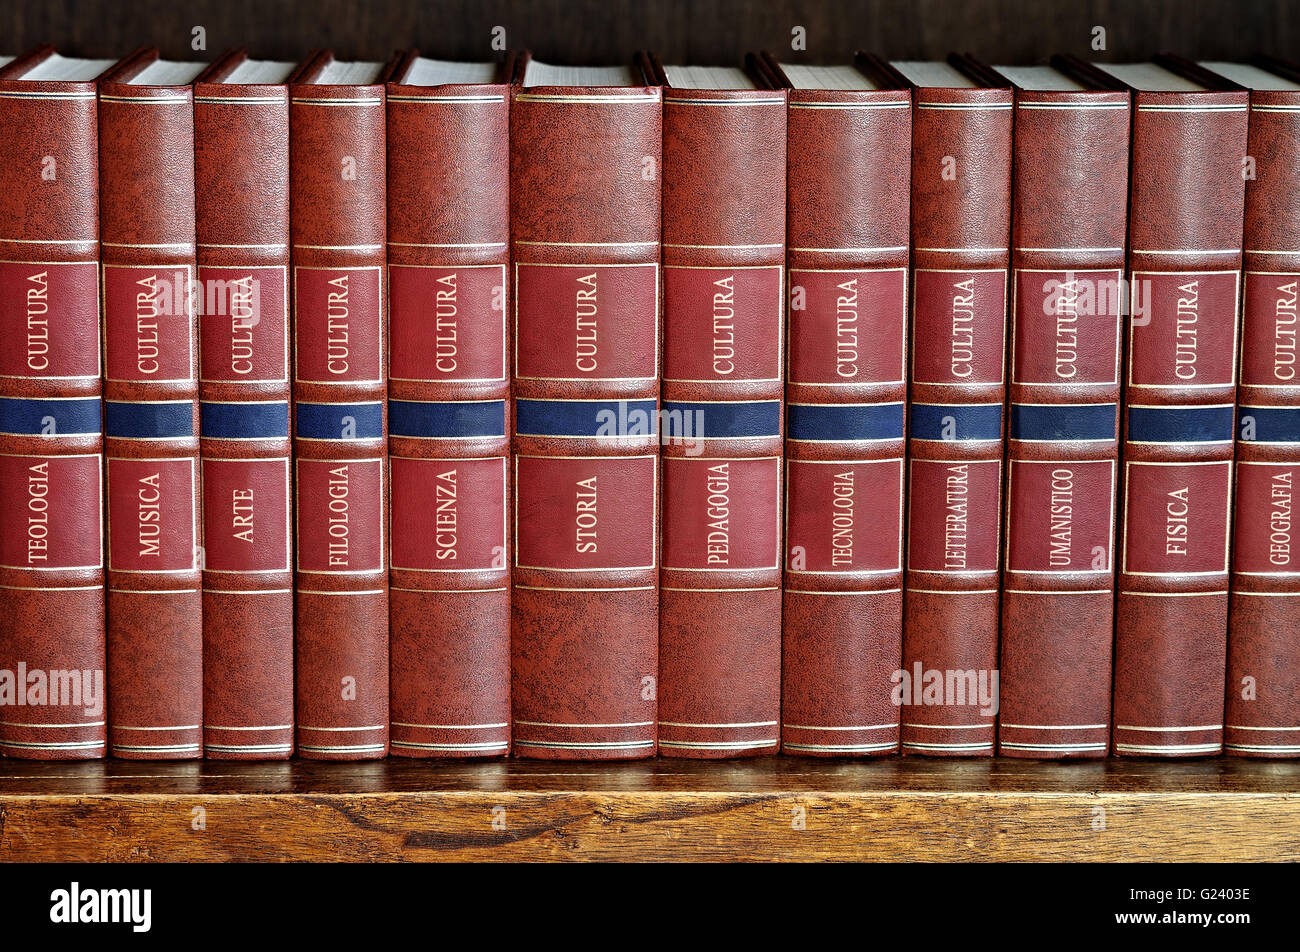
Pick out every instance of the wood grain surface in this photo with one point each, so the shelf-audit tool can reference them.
(1218, 809)
(685, 31)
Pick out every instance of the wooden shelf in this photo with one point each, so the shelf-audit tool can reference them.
(682, 31)
(892, 809)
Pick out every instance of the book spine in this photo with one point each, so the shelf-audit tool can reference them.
(1070, 197)
(584, 220)
(51, 463)
(961, 219)
(1184, 260)
(337, 231)
(448, 410)
(1263, 697)
(723, 389)
(151, 421)
(242, 221)
(846, 385)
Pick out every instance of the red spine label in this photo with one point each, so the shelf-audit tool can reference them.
(848, 326)
(147, 318)
(151, 518)
(953, 516)
(51, 512)
(447, 324)
(245, 324)
(1268, 347)
(451, 514)
(844, 517)
(723, 513)
(1176, 518)
(723, 324)
(1263, 533)
(1067, 327)
(586, 322)
(246, 515)
(338, 328)
(958, 326)
(49, 319)
(588, 514)
(1062, 516)
(340, 516)
(1184, 329)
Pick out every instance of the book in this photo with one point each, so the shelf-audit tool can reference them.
(584, 224)
(724, 156)
(849, 174)
(1069, 215)
(151, 411)
(1184, 265)
(449, 407)
(961, 220)
(338, 228)
(241, 172)
(52, 667)
(1263, 681)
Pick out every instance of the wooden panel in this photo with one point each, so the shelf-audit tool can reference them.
(893, 809)
(696, 31)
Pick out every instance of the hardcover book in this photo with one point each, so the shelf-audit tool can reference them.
(724, 151)
(338, 231)
(1184, 261)
(584, 223)
(151, 411)
(1069, 205)
(241, 169)
(449, 407)
(849, 174)
(1263, 694)
(52, 667)
(961, 220)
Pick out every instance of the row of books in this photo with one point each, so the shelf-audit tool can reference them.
(453, 409)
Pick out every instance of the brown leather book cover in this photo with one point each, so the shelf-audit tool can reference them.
(52, 680)
(1069, 211)
(241, 169)
(1184, 261)
(151, 411)
(1263, 694)
(448, 407)
(723, 388)
(584, 222)
(338, 227)
(849, 173)
(961, 220)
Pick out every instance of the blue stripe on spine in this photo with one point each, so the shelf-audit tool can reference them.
(447, 419)
(831, 422)
(972, 422)
(1271, 424)
(330, 421)
(724, 420)
(605, 418)
(1179, 424)
(1055, 422)
(244, 421)
(170, 420)
(31, 417)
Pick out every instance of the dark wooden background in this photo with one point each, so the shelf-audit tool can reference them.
(682, 31)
